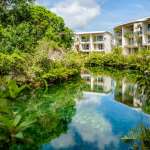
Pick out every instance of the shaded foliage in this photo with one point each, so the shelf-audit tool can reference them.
(37, 117)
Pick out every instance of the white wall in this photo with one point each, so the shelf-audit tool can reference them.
(108, 38)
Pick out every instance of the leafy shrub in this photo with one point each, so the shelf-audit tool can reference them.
(15, 63)
(134, 62)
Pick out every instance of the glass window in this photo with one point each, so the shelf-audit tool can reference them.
(148, 27)
(131, 41)
(85, 46)
(100, 79)
(148, 38)
(98, 38)
(98, 46)
(85, 38)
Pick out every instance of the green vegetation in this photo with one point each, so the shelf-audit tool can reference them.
(36, 116)
(34, 43)
(23, 24)
(136, 83)
(35, 51)
(140, 134)
(139, 61)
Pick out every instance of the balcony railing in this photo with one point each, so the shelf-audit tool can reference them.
(118, 34)
(138, 33)
(85, 40)
(148, 41)
(148, 31)
(98, 39)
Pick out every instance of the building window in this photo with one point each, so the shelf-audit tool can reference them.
(148, 27)
(120, 42)
(100, 79)
(131, 41)
(85, 38)
(148, 39)
(98, 38)
(85, 46)
(88, 78)
(99, 46)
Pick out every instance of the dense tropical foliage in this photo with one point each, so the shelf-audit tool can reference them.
(35, 116)
(138, 61)
(34, 42)
(35, 51)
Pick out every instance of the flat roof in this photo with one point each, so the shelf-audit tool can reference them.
(93, 32)
(134, 21)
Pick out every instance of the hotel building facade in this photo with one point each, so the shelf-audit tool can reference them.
(133, 36)
(99, 41)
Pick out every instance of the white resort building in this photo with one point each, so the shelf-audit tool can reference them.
(133, 36)
(99, 41)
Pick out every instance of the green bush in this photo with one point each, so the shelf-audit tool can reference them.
(15, 63)
(139, 61)
(27, 24)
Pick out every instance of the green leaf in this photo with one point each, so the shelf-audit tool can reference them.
(19, 135)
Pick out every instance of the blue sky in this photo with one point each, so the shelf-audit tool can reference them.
(95, 15)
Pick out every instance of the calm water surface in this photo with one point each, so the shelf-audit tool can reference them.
(89, 114)
(108, 110)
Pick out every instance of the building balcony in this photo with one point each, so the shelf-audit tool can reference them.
(85, 41)
(129, 35)
(98, 41)
(139, 33)
(148, 32)
(98, 50)
(131, 45)
(119, 35)
(147, 42)
(85, 50)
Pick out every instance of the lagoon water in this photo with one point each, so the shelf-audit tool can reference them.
(104, 114)
(89, 114)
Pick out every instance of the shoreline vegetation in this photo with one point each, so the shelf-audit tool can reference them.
(35, 52)
(137, 62)
(36, 46)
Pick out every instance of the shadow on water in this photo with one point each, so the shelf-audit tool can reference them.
(107, 109)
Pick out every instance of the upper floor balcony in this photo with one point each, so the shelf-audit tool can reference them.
(118, 35)
(138, 33)
(148, 31)
(129, 34)
(98, 38)
(85, 38)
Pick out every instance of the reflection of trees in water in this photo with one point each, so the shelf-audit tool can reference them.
(131, 88)
(118, 91)
(124, 92)
(37, 118)
(143, 91)
(133, 94)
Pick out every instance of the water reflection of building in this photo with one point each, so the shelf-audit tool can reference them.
(100, 84)
(126, 93)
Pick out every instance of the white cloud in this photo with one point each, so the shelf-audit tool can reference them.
(91, 126)
(78, 13)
